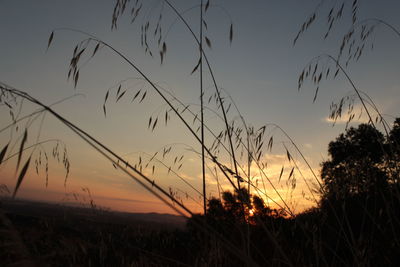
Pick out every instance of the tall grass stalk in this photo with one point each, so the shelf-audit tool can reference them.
(203, 168)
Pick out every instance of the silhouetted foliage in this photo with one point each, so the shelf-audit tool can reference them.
(355, 164)
(360, 203)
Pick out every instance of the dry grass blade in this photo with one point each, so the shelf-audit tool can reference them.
(208, 42)
(161, 57)
(196, 67)
(95, 49)
(291, 173)
(76, 78)
(21, 147)
(121, 95)
(195, 118)
(315, 95)
(50, 39)
(136, 95)
(231, 34)
(205, 24)
(154, 125)
(104, 110)
(288, 155)
(280, 175)
(21, 176)
(336, 73)
(270, 143)
(207, 5)
(3, 153)
(186, 107)
(144, 95)
(106, 97)
(229, 107)
(104, 104)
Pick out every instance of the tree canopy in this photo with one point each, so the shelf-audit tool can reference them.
(362, 160)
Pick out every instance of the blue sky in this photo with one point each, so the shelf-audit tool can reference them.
(259, 69)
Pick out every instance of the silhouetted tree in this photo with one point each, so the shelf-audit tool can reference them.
(360, 204)
(356, 163)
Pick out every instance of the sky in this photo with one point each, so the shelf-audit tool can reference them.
(259, 70)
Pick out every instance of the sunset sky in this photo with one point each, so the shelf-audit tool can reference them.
(260, 70)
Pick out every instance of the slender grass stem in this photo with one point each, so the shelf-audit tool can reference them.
(203, 169)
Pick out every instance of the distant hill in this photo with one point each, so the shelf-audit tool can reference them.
(71, 211)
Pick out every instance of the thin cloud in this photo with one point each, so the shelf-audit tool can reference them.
(357, 117)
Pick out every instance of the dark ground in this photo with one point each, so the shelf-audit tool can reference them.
(43, 234)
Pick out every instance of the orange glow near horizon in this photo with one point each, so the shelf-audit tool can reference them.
(106, 196)
(112, 189)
